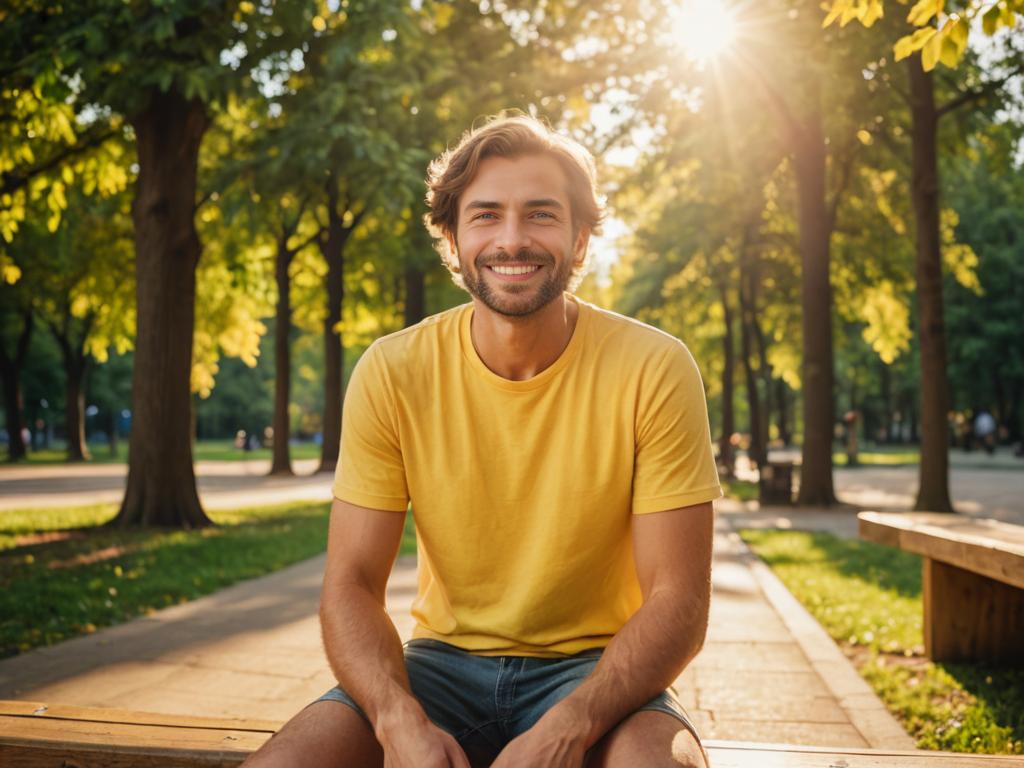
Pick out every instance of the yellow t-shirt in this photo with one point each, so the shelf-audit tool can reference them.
(522, 491)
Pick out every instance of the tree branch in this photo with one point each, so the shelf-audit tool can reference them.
(977, 94)
(11, 181)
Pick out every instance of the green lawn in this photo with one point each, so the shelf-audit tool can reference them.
(204, 450)
(881, 457)
(868, 597)
(61, 576)
(741, 490)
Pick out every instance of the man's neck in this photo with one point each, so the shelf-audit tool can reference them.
(518, 348)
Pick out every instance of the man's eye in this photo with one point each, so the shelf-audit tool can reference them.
(543, 215)
(484, 215)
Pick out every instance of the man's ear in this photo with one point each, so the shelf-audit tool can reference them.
(579, 250)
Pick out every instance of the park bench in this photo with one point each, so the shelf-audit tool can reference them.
(972, 581)
(34, 735)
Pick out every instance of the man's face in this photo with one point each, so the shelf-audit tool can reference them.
(515, 240)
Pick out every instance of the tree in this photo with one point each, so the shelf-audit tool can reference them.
(165, 68)
(937, 38)
(17, 323)
(79, 280)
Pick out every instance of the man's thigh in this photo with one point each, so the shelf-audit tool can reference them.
(648, 738)
(325, 734)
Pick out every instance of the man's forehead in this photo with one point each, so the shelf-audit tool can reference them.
(517, 180)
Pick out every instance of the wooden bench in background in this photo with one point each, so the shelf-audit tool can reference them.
(972, 584)
(35, 735)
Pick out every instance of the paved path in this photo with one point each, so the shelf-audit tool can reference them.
(767, 673)
(222, 484)
(980, 485)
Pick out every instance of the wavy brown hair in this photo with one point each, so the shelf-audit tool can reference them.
(508, 136)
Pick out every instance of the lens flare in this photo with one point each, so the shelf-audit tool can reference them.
(704, 29)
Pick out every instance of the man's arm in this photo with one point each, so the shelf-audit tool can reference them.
(672, 550)
(362, 646)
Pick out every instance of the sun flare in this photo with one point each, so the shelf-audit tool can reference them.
(704, 29)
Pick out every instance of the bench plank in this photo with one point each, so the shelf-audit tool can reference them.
(987, 547)
(31, 736)
(972, 580)
(731, 754)
(130, 717)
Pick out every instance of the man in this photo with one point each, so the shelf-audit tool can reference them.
(558, 461)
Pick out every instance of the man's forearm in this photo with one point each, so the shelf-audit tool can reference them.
(643, 659)
(365, 654)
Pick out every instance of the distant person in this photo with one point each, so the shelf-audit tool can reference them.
(985, 430)
(559, 463)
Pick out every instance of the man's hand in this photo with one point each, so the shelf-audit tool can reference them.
(418, 743)
(556, 741)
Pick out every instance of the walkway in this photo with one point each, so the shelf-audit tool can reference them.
(222, 484)
(767, 673)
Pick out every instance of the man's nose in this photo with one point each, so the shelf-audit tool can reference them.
(513, 235)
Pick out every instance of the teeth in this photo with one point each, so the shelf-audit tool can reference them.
(514, 270)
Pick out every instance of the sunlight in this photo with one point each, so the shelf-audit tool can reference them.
(704, 29)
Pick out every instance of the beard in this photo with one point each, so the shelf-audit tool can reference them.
(517, 299)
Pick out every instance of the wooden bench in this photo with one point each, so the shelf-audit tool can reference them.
(972, 581)
(35, 735)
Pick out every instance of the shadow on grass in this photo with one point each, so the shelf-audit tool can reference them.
(56, 588)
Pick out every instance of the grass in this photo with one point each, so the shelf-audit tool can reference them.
(895, 457)
(868, 598)
(62, 576)
(204, 450)
(741, 490)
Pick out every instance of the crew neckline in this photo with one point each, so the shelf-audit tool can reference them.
(542, 378)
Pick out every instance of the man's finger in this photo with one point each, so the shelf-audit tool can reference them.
(456, 756)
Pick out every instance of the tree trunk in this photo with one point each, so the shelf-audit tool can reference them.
(726, 450)
(112, 434)
(282, 463)
(933, 488)
(762, 356)
(816, 455)
(333, 249)
(415, 296)
(161, 488)
(887, 420)
(74, 403)
(782, 398)
(14, 404)
(756, 452)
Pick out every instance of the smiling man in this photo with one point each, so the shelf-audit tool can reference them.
(558, 462)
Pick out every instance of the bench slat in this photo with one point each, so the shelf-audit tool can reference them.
(86, 741)
(740, 755)
(988, 547)
(41, 741)
(129, 717)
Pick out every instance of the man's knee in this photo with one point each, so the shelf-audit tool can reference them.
(326, 733)
(647, 738)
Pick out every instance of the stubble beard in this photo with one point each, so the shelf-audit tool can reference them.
(503, 301)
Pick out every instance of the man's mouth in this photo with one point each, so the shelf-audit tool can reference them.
(515, 270)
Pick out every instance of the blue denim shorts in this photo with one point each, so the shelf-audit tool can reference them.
(486, 701)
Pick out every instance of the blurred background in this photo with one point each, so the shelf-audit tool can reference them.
(209, 209)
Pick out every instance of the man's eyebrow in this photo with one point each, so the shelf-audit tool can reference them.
(544, 202)
(483, 204)
(540, 202)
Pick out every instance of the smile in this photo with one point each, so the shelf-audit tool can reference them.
(504, 269)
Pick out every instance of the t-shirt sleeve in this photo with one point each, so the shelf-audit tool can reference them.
(675, 465)
(370, 471)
